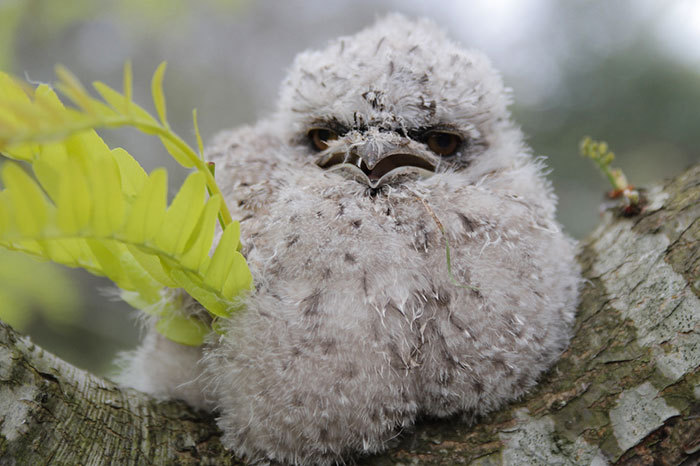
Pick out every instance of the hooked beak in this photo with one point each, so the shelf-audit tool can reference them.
(378, 170)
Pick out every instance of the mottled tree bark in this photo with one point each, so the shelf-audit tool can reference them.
(626, 391)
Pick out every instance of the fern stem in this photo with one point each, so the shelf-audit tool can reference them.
(609, 174)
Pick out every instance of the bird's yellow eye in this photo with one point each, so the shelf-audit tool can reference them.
(443, 143)
(319, 138)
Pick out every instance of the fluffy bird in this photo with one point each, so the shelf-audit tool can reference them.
(387, 148)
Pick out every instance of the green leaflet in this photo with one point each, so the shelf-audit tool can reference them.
(223, 256)
(148, 209)
(74, 90)
(4, 213)
(153, 266)
(93, 207)
(132, 175)
(108, 205)
(120, 104)
(184, 330)
(183, 212)
(157, 92)
(177, 153)
(48, 165)
(74, 202)
(128, 85)
(197, 248)
(197, 134)
(25, 200)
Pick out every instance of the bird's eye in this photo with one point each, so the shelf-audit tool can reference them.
(319, 138)
(442, 143)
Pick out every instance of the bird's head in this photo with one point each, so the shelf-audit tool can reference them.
(395, 102)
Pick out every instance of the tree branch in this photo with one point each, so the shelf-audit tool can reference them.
(625, 391)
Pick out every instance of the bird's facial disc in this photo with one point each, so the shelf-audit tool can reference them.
(377, 161)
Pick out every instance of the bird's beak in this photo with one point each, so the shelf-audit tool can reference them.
(375, 168)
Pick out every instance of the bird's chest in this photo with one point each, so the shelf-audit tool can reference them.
(357, 249)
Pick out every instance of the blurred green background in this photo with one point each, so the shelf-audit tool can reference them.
(626, 71)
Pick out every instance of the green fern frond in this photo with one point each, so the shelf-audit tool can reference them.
(30, 116)
(86, 205)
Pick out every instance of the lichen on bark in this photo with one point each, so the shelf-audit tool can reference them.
(625, 391)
